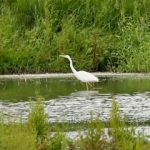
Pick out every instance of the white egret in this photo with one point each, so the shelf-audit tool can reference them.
(83, 76)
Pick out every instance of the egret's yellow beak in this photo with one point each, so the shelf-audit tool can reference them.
(61, 55)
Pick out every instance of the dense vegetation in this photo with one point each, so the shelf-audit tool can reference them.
(37, 134)
(101, 35)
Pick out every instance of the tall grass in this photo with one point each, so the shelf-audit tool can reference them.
(38, 119)
(119, 134)
(16, 136)
(29, 11)
(101, 35)
(37, 134)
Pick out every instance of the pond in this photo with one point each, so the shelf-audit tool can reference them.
(67, 100)
(23, 90)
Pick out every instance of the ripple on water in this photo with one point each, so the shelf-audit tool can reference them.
(79, 106)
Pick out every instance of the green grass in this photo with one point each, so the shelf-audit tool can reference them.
(37, 134)
(17, 137)
(106, 35)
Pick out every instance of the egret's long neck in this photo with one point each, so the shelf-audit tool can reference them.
(71, 66)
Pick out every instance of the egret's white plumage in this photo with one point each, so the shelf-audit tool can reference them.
(81, 75)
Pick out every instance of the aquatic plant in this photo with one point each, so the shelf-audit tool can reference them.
(37, 134)
(38, 121)
(118, 135)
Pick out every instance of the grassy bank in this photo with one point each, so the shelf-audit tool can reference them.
(37, 134)
(101, 35)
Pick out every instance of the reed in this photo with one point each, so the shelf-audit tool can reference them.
(106, 35)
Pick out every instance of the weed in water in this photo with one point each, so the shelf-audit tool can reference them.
(38, 123)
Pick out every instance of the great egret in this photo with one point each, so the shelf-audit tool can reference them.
(83, 76)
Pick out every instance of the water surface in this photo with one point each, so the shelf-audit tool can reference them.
(23, 90)
(66, 100)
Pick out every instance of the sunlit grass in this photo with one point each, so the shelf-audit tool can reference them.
(16, 137)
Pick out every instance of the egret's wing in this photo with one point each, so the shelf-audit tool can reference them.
(86, 76)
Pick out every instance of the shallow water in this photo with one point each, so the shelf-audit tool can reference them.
(144, 130)
(66, 100)
(80, 106)
(25, 90)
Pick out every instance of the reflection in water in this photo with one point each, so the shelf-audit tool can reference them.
(23, 90)
(80, 105)
(85, 93)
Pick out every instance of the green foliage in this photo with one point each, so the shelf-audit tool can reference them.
(38, 119)
(16, 137)
(35, 134)
(120, 135)
(123, 135)
(101, 35)
(28, 11)
(59, 141)
(93, 139)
